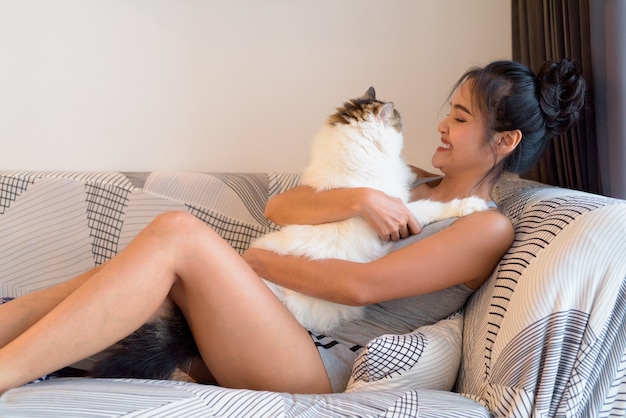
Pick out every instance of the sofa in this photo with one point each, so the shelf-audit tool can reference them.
(545, 336)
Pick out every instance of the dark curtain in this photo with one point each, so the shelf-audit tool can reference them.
(608, 40)
(552, 30)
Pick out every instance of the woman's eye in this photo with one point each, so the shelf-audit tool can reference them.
(457, 119)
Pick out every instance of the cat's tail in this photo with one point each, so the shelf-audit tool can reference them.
(154, 351)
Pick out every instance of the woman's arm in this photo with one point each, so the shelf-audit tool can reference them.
(466, 252)
(302, 205)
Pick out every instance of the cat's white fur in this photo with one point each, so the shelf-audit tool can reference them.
(359, 154)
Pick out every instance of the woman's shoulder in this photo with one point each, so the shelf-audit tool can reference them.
(490, 226)
(484, 236)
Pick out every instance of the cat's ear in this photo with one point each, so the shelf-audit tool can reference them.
(370, 94)
(385, 112)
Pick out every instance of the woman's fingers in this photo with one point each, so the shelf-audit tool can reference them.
(402, 231)
(413, 226)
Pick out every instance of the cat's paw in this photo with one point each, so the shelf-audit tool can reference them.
(471, 204)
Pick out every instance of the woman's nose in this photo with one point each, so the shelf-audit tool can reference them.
(442, 127)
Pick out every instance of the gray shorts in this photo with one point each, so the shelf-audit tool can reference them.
(338, 358)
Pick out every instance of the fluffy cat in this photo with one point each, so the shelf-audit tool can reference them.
(359, 146)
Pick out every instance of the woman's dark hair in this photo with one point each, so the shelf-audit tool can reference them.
(510, 96)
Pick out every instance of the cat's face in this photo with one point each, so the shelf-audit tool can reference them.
(366, 110)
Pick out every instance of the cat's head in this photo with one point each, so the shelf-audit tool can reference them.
(367, 109)
(359, 146)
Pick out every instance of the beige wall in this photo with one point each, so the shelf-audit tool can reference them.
(224, 85)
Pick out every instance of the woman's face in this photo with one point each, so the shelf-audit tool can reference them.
(464, 147)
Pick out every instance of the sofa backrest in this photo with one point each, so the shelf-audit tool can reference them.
(55, 225)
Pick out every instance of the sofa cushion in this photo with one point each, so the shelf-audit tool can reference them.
(427, 358)
(546, 334)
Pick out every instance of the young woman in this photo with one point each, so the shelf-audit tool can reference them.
(500, 119)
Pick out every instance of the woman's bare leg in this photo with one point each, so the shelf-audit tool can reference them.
(246, 336)
(21, 313)
(251, 340)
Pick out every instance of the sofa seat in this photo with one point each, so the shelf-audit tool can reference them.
(83, 398)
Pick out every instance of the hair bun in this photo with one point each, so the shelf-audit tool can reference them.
(562, 95)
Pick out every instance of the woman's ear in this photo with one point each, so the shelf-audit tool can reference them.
(507, 141)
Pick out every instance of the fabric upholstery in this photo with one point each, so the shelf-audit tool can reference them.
(427, 358)
(545, 335)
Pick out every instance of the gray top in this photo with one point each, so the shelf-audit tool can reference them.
(340, 346)
(404, 315)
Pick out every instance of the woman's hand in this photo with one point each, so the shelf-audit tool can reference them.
(388, 216)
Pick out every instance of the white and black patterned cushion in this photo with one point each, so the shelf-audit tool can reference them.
(427, 358)
(546, 335)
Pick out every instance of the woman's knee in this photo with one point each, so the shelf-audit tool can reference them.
(175, 222)
(180, 232)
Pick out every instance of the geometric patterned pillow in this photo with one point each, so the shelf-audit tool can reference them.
(427, 358)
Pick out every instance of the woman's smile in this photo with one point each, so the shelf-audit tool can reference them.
(445, 146)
